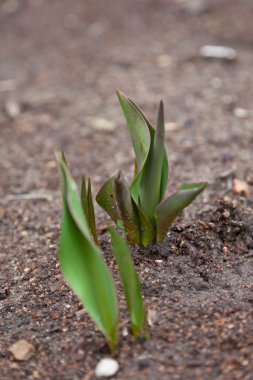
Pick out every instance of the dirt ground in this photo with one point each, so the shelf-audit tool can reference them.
(61, 62)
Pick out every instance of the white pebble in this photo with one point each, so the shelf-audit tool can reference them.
(219, 52)
(241, 113)
(12, 109)
(101, 124)
(106, 367)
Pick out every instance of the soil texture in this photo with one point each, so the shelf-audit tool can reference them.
(61, 62)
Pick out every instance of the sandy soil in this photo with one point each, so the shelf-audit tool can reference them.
(61, 62)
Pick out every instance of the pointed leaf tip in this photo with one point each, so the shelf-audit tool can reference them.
(168, 210)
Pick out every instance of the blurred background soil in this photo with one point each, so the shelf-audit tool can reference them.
(60, 64)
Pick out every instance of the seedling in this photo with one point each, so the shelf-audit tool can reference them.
(139, 209)
(84, 268)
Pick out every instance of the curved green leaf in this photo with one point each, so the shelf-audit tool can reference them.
(92, 221)
(137, 128)
(82, 263)
(106, 199)
(150, 187)
(139, 125)
(127, 210)
(84, 202)
(130, 281)
(165, 167)
(169, 209)
(148, 232)
(88, 208)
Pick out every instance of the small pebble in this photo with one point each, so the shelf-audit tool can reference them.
(172, 126)
(164, 60)
(195, 7)
(241, 187)
(22, 350)
(152, 317)
(218, 52)
(106, 367)
(101, 124)
(226, 214)
(125, 331)
(240, 113)
(12, 109)
(225, 250)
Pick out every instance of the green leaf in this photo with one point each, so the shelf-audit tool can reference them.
(127, 210)
(82, 263)
(165, 167)
(142, 134)
(141, 139)
(169, 209)
(137, 127)
(106, 199)
(91, 214)
(150, 187)
(88, 208)
(131, 283)
(148, 233)
(84, 202)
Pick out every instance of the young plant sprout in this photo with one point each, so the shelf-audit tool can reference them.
(84, 268)
(139, 209)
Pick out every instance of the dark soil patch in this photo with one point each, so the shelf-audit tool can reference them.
(61, 63)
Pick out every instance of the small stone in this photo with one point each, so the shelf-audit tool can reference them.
(226, 214)
(22, 350)
(195, 7)
(51, 165)
(240, 113)
(218, 52)
(125, 332)
(225, 250)
(106, 367)
(241, 187)
(172, 126)
(152, 317)
(203, 224)
(101, 124)
(12, 109)
(164, 60)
